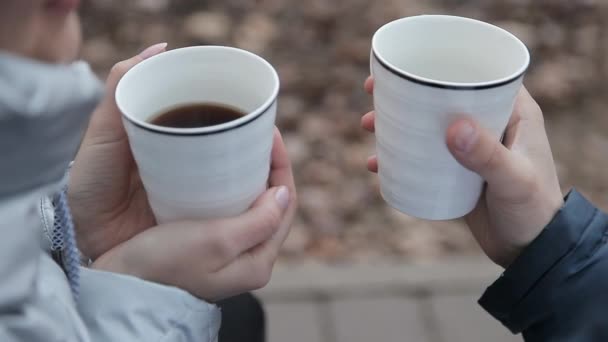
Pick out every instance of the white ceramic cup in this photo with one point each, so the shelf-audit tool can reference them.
(428, 71)
(207, 172)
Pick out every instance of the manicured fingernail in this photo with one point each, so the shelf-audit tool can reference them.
(465, 137)
(152, 50)
(282, 197)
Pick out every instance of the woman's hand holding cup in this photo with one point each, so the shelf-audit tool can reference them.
(215, 259)
(212, 258)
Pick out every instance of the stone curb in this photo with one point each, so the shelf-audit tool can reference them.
(462, 275)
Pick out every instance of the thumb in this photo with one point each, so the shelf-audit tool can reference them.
(106, 119)
(480, 151)
(121, 68)
(268, 210)
(260, 223)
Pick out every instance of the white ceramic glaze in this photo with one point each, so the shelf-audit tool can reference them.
(428, 71)
(208, 172)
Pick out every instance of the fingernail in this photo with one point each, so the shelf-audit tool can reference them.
(465, 137)
(282, 197)
(152, 50)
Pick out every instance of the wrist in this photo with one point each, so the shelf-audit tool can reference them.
(546, 212)
(112, 262)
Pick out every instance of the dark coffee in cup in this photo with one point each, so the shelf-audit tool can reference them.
(197, 115)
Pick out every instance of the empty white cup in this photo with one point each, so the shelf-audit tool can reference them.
(428, 71)
(206, 172)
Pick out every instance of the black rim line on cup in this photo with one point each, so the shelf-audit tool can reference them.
(400, 74)
(160, 131)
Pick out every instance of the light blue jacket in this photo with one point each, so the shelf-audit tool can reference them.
(36, 303)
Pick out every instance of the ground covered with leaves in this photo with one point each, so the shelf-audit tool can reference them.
(321, 51)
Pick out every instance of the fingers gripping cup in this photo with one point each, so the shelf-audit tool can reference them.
(200, 122)
(428, 71)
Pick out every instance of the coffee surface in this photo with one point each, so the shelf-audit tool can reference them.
(197, 115)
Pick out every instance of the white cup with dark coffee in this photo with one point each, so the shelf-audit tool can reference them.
(200, 122)
(428, 71)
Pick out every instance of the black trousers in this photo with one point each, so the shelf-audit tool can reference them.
(243, 319)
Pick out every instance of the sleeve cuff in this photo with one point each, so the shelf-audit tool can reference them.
(117, 307)
(508, 298)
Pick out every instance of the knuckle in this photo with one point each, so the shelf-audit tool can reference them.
(536, 114)
(528, 109)
(268, 261)
(223, 247)
(261, 276)
(260, 271)
(535, 109)
(492, 161)
(119, 69)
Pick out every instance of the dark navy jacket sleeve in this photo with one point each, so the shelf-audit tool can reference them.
(557, 289)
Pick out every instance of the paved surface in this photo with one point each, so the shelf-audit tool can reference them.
(418, 303)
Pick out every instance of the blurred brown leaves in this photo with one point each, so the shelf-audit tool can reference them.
(321, 50)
